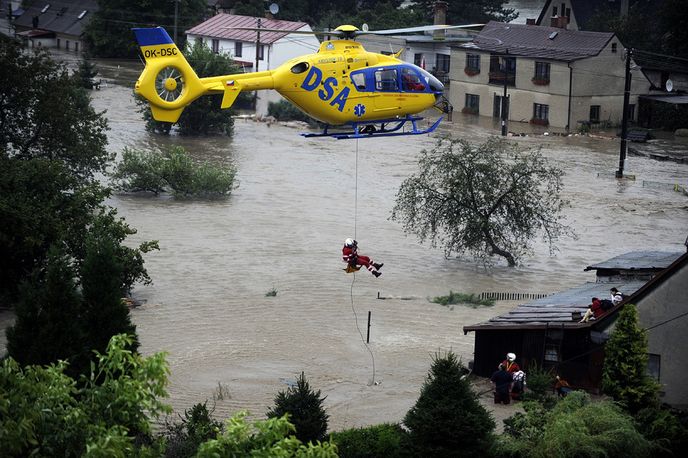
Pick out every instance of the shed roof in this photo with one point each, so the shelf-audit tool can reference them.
(555, 309)
(221, 26)
(636, 260)
(60, 16)
(538, 41)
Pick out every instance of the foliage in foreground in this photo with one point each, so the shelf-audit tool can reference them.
(574, 427)
(624, 375)
(447, 415)
(171, 170)
(264, 438)
(305, 409)
(45, 413)
(196, 427)
(540, 384)
(485, 200)
(462, 298)
(371, 442)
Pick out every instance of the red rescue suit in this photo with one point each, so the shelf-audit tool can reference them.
(351, 257)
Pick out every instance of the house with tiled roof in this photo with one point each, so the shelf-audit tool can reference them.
(547, 332)
(553, 76)
(55, 23)
(281, 41)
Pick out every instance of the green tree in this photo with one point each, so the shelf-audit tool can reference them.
(486, 200)
(305, 409)
(205, 115)
(65, 316)
(575, 427)
(469, 11)
(49, 187)
(45, 413)
(263, 438)
(109, 34)
(447, 418)
(86, 71)
(624, 375)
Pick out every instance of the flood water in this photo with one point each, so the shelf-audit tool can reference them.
(283, 228)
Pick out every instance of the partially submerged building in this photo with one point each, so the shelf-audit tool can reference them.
(547, 332)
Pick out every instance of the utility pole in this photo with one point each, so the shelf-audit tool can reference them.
(255, 94)
(505, 105)
(624, 116)
(176, 10)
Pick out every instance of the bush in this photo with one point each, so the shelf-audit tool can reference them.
(370, 442)
(171, 170)
(305, 409)
(197, 426)
(575, 427)
(461, 298)
(665, 430)
(540, 384)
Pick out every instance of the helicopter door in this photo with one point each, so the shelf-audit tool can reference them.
(387, 87)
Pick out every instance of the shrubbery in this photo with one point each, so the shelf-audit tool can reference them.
(172, 170)
(461, 298)
(374, 441)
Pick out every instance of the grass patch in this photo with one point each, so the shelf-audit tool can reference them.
(470, 300)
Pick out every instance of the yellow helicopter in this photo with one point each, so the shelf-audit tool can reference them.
(340, 85)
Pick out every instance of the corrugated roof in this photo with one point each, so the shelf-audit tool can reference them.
(556, 310)
(636, 260)
(61, 17)
(539, 42)
(220, 26)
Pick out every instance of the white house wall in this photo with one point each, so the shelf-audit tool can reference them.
(667, 301)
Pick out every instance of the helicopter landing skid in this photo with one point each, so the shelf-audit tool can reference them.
(380, 128)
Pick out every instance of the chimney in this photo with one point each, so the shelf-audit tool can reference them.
(559, 22)
(530, 21)
(440, 18)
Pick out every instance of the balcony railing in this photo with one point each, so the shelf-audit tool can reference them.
(498, 78)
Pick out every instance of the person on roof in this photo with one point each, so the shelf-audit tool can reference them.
(615, 296)
(352, 258)
(595, 310)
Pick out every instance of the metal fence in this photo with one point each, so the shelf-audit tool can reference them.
(502, 296)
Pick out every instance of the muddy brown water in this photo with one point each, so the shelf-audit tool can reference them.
(283, 228)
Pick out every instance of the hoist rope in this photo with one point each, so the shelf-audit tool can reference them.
(353, 309)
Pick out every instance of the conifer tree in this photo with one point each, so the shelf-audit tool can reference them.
(447, 419)
(305, 409)
(624, 376)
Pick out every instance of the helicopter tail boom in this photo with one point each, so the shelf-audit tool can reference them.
(169, 83)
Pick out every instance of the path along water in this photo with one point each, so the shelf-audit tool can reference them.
(283, 228)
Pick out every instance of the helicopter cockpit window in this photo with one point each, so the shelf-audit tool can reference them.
(410, 81)
(386, 80)
(359, 81)
(300, 67)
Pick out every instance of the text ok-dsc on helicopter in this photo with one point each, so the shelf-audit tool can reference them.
(340, 85)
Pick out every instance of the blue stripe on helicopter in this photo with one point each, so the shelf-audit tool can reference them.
(152, 36)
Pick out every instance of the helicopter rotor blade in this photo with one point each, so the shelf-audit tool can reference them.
(424, 28)
(299, 32)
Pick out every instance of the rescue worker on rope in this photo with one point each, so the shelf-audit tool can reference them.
(354, 260)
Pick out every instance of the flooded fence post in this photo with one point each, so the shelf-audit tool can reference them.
(368, 334)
